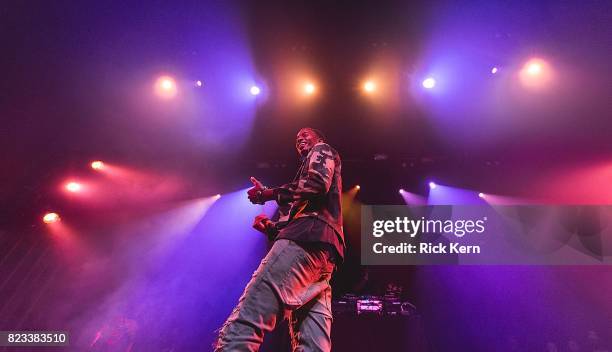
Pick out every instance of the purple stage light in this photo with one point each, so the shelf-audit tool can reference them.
(432, 185)
(494, 70)
(412, 198)
(255, 90)
(429, 83)
(447, 195)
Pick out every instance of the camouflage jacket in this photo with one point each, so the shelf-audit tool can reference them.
(315, 191)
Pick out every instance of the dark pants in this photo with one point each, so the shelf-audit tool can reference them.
(292, 282)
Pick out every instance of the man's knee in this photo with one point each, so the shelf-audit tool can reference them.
(257, 312)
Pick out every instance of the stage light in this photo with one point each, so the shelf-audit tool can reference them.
(535, 73)
(429, 83)
(494, 70)
(97, 165)
(369, 86)
(198, 83)
(432, 185)
(165, 87)
(357, 187)
(533, 68)
(50, 218)
(412, 198)
(255, 90)
(217, 196)
(166, 84)
(73, 187)
(481, 195)
(309, 88)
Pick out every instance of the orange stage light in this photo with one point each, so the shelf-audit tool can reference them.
(165, 87)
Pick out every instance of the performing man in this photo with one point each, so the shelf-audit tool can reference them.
(292, 281)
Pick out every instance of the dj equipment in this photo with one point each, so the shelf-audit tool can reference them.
(389, 305)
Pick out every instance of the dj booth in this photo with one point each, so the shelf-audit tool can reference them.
(366, 324)
(376, 323)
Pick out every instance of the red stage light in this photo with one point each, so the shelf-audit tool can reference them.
(50, 218)
(97, 165)
(73, 187)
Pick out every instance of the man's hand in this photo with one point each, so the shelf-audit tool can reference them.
(261, 223)
(259, 194)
